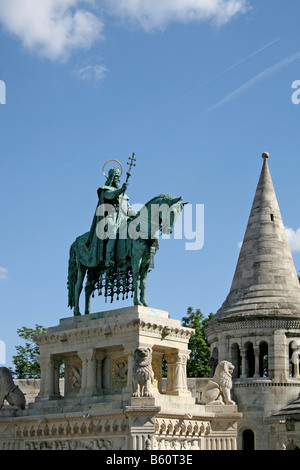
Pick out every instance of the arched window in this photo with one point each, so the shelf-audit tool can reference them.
(248, 440)
(250, 360)
(263, 359)
(294, 360)
(214, 361)
(236, 360)
(292, 446)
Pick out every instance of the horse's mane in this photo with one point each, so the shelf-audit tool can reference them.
(166, 198)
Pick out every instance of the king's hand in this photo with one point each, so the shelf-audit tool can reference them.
(124, 187)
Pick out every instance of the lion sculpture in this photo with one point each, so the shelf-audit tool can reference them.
(9, 391)
(142, 375)
(217, 390)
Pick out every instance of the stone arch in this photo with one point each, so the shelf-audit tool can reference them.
(214, 359)
(292, 446)
(248, 439)
(236, 360)
(263, 359)
(250, 359)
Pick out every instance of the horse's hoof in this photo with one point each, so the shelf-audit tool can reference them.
(77, 314)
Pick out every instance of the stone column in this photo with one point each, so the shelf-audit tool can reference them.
(49, 383)
(89, 376)
(256, 356)
(100, 355)
(44, 364)
(177, 383)
(129, 352)
(295, 361)
(171, 360)
(278, 363)
(56, 365)
(243, 356)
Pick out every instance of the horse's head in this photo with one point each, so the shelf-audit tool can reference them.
(170, 214)
(165, 209)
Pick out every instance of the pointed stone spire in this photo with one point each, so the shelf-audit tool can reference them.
(265, 282)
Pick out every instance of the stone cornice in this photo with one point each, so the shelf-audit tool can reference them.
(252, 323)
(158, 329)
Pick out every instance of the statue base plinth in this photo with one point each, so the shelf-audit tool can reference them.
(93, 406)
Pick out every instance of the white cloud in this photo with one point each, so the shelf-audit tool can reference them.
(293, 238)
(3, 273)
(92, 73)
(152, 14)
(55, 28)
(52, 28)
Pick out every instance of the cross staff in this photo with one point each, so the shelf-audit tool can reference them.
(131, 164)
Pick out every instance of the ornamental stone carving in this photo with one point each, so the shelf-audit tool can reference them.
(142, 375)
(217, 390)
(9, 391)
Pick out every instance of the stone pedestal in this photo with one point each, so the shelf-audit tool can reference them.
(97, 352)
(96, 409)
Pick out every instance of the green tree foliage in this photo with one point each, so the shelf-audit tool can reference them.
(198, 363)
(25, 362)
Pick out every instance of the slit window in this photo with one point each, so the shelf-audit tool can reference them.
(272, 217)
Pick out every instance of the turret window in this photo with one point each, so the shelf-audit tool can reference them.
(255, 360)
(263, 359)
(294, 360)
(250, 360)
(236, 360)
(248, 440)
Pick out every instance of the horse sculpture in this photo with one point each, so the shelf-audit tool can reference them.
(140, 246)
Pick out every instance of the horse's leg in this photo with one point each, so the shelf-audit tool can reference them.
(143, 282)
(135, 264)
(92, 278)
(88, 292)
(81, 270)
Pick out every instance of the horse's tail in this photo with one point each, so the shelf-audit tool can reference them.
(72, 276)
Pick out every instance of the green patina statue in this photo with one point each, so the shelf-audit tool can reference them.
(118, 251)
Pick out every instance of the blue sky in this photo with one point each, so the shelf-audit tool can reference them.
(197, 89)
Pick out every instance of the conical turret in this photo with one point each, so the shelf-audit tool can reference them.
(265, 282)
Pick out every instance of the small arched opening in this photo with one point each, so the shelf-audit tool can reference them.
(263, 359)
(248, 440)
(214, 359)
(236, 360)
(250, 360)
(292, 446)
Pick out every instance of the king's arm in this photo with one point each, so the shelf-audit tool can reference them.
(112, 194)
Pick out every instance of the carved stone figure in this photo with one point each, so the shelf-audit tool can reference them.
(9, 391)
(217, 390)
(142, 375)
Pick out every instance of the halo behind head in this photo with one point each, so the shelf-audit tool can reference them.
(111, 160)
